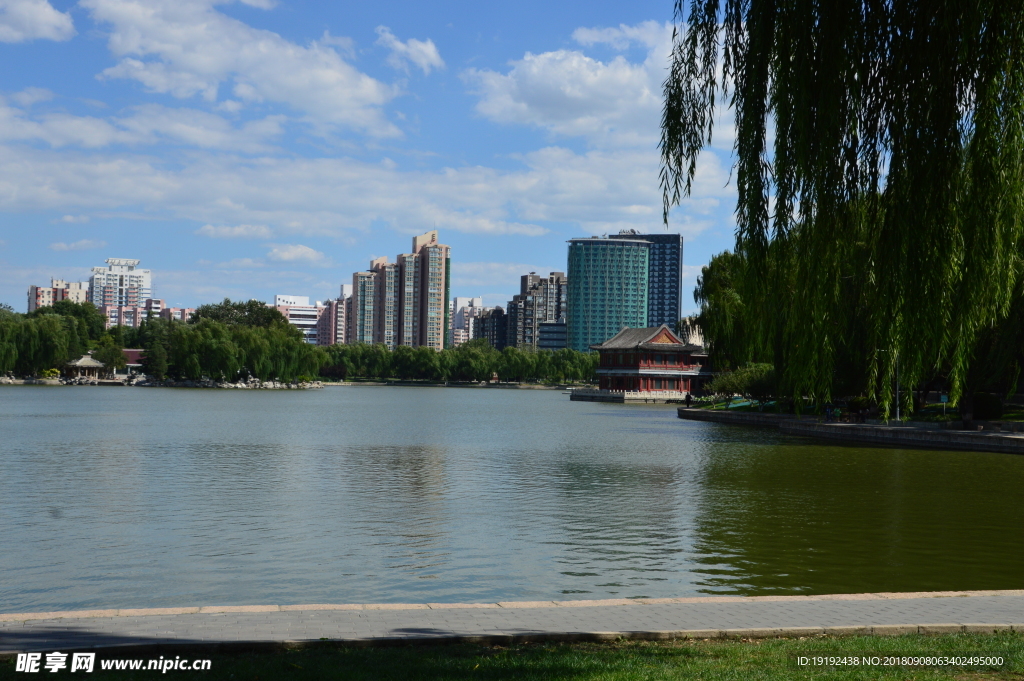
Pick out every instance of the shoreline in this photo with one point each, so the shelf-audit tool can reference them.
(901, 436)
(277, 385)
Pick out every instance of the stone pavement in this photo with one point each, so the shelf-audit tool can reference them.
(272, 626)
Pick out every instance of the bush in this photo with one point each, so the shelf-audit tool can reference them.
(756, 381)
(51, 373)
(987, 406)
(855, 404)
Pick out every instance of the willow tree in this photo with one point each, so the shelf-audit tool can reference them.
(890, 132)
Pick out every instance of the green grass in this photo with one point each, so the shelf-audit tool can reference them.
(757, 660)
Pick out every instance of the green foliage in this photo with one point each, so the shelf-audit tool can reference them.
(883, 226)
(154, 361)
(110, 352)
(855, 404)
(29, 344)
(50, 373)
(242, 313)
(472, 361)
(721, 318)
(94, 324)
(755, 381)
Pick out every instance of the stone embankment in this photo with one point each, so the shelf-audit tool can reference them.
(147, 382)
(250, 384)
(929, 436)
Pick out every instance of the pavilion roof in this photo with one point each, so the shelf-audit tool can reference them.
(86, 361)
(656, 338)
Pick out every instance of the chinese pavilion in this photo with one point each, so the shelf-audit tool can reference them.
(650, 360)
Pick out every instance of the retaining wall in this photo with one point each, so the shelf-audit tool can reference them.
(888, 436)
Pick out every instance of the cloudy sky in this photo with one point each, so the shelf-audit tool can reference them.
(250, 148)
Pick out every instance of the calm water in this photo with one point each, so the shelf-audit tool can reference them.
(140, 497)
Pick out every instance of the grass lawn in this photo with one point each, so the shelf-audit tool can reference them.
(758, 660)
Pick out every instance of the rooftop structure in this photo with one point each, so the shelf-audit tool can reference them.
(120, 283)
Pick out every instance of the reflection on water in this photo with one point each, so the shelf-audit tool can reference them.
(152, 497)
(809, 518)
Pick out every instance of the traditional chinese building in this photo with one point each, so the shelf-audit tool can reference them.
(649, 364)
(84, 367)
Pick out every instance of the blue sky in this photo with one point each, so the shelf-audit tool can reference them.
(250, 148)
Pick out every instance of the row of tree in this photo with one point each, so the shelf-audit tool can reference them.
(472, 361)
(224, 341)
(49, 337)
(237, 340)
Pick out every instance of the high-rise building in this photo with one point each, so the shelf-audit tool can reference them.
(386, 290)
(540, 299)
(435, 284)
(665, 276)
(58, 290)
(608, 289)
(408, 331)
(120, 284)
(363, 317)
(405, 302)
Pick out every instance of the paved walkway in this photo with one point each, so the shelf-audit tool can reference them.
(664, 618)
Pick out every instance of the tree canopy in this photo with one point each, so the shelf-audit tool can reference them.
(472, 361)
(242, 313)
(880, 180)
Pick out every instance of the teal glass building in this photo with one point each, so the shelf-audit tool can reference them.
(609, 283)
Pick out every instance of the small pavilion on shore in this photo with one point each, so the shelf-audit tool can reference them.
(84, 367)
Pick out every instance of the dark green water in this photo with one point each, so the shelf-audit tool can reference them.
(142, 497)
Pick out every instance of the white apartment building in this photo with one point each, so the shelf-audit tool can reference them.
(300, 314)
(120, 284)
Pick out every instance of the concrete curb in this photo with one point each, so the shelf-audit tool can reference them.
(879, 435)
(261, 646)
(220, 609)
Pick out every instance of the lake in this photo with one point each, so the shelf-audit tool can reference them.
(159, 497)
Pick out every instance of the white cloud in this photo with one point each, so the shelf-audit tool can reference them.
(614, 103)
(241, 264)
(142, 125)
(295, 253)
(187, 48)
(649, 34)
(73, 219)
(422, 54)
(600, 191)
(83, 245)
(22, 20)
(32, 95)
(238, 231)
(153, 123)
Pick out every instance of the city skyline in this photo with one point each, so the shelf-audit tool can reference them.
(237, 175)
